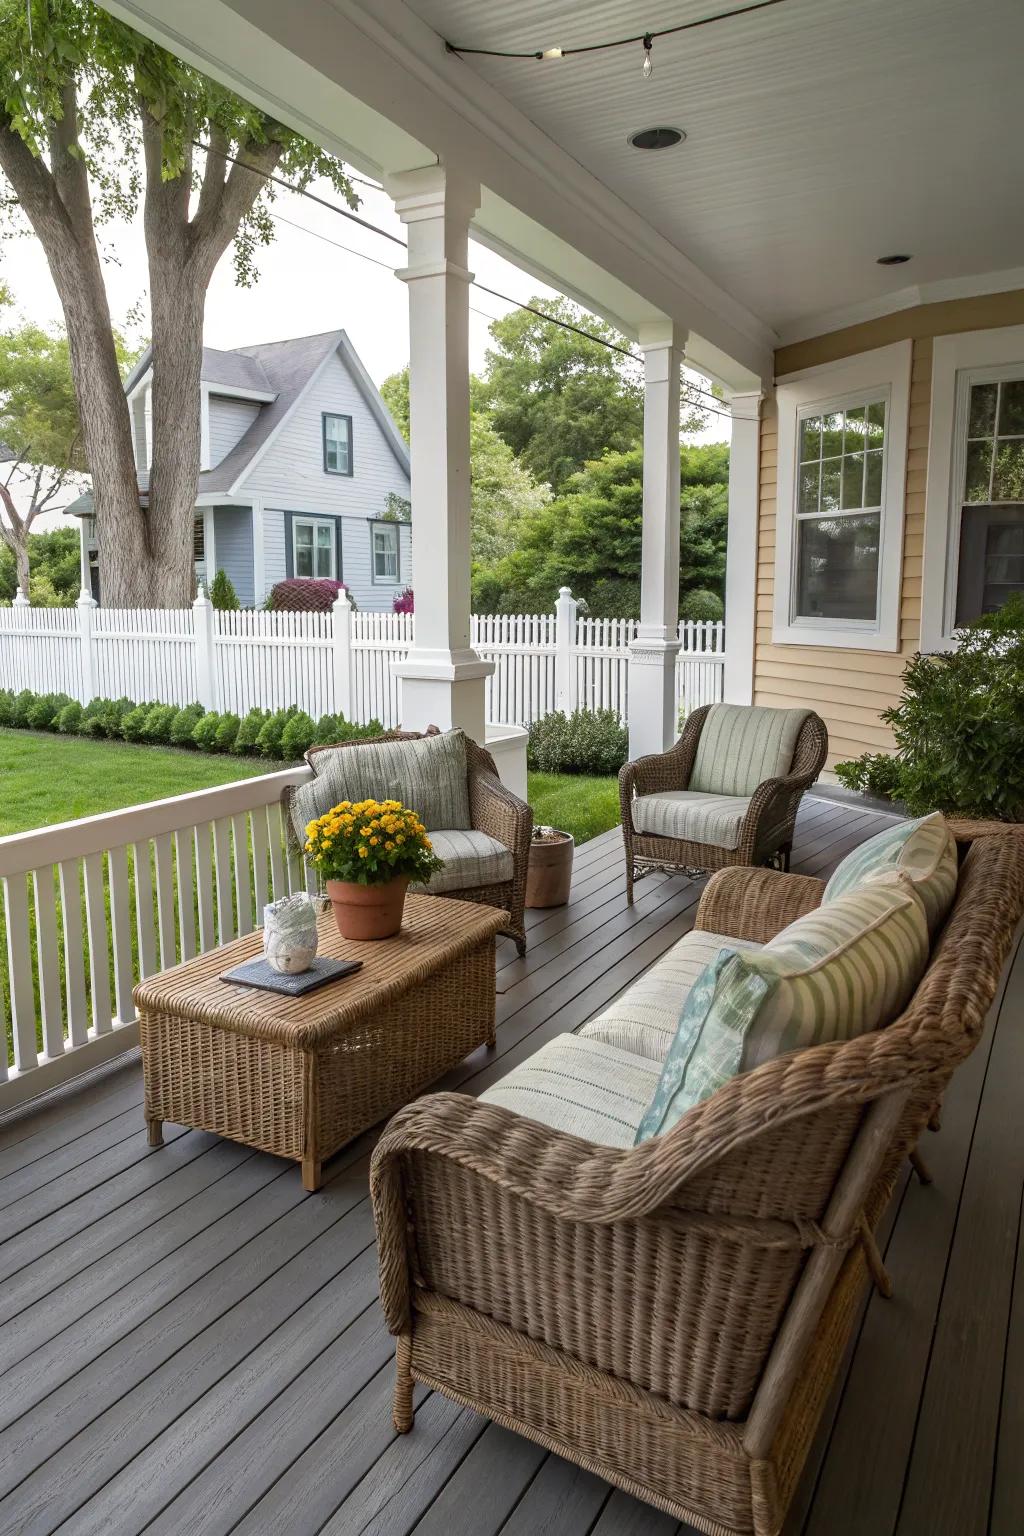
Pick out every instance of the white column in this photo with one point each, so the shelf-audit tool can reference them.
(206, 661)
(652, 655)
(565, 641)
(341, 619)
(86, 620)
(442, 675)
(741, 554)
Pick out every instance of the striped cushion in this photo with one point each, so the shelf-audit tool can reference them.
(924, 851)
(836, 972)
(580, 1086)
(471, 859)
(740, 746)
(691, 817)
(645, 1018)
(428, 775)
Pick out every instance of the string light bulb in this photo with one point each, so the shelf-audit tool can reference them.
(648, 69)
(552, 53)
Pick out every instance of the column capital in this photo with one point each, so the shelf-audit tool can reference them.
(661, 336)
(440, 268)
(433, 192)
(745, 404)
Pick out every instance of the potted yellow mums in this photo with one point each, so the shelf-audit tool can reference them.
(366, 853)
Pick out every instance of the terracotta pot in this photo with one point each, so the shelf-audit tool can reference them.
(550, 871)
(367, 911)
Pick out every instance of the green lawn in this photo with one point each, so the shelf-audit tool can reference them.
(574, 802)
(48, 778)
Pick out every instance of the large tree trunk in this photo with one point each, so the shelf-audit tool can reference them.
(14, 533)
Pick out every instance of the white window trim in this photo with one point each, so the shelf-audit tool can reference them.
(386, 581)
(885, 372)
(314, 523)
(973, 357)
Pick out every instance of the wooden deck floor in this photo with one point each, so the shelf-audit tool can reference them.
(189, 1343)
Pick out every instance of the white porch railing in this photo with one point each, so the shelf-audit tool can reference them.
(329, 663)
(89, 907)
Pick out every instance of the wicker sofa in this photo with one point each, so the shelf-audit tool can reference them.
(488, 865)
(726, 794)
(672, 1315)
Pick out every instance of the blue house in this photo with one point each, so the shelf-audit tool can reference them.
(302, 471)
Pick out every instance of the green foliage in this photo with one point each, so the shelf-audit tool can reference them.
(395, 394)
(959, 727)
(581, 805)
(20, 706)
(103, 717)
(157, 727)
(223, 594)
(227, 732)
(184, 724)
(587, 741)
(269, 739)
(701, 604)
(204, 731)
(590, 538)
(55, 578)
(298, 736)
(134, 722)
(70, 719)
(249, 730)
(876, 773)
(6, 706)
(42, 716)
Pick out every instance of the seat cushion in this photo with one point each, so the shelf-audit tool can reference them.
(741, 745)
(837, 972)
(429, 775)
(581, 1086)
(645, 1018)
(471, 859)
(923, 850)
(691, 817)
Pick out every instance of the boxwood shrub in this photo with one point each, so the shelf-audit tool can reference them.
(587, 741)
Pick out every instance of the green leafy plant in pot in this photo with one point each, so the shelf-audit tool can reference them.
(366, 853)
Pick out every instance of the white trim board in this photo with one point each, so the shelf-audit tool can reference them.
(912, 297)
(967, 358)
(887, 370)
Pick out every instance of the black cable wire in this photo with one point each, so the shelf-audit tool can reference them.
(346, 213)
(619, 42)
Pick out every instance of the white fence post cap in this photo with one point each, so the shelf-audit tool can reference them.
(342, 599)
(20, 600)
(86, 599)
(200, 597)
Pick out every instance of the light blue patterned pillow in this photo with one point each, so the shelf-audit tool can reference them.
(923, 850)
(836, 972)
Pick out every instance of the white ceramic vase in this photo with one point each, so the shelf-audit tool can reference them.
(289, 934)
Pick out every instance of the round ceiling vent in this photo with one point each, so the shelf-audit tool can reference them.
(892, 261)
(656, 138)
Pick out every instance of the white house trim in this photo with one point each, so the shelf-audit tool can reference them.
(940, 292)
(259, 556)
(204, 427)
(885, 370)
(234, 392)
(741, 547)
(957, 362)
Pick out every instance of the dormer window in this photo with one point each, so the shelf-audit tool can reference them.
(337, 432)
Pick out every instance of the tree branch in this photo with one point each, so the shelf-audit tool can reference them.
(213, 231)
(17, 528)
(70, 175)
(37, 193)
(211, 193)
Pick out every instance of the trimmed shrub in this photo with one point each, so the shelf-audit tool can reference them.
(20, 706)
(702, 604)
(223, 594)
(876, 773)
(587, 741)
(102, 717)
(159, 722)
(204, 731)
(184, 724)
(306, 594)
(42, 716)
(404, 602)
(134, 722)
(70, 719)
(298, 736)
(227, 732)
(249, 730)
(268, 742)
(6, 706)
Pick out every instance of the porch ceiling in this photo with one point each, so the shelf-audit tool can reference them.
(820, 135)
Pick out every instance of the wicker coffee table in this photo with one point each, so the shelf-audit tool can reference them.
(302, 1076)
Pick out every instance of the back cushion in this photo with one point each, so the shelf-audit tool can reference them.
(836, 972)
(429, 775)
(741, 745)
(924, 851)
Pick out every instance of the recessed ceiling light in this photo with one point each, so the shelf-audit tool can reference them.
(892, 261)
(656, 138)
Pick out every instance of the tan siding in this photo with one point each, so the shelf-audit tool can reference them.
(850, 688)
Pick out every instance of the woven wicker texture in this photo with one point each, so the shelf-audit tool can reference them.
(639, 1296)
(302, 1076)
(767, 829)
(493, 809)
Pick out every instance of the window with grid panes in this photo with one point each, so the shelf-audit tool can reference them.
(839, 493)
(991, 563)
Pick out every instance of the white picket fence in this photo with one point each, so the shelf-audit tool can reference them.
(89, 907)
(336, 662)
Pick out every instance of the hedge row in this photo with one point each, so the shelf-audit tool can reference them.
(283, 734)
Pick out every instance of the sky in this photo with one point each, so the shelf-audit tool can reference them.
(322, 271)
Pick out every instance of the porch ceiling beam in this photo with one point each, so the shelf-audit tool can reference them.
(374, 84)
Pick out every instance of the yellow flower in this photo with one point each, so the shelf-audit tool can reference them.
(364, 853)
(399, 839)
(389, 845)
(374, 841)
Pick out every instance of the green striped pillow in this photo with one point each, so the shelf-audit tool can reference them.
(836, 972)
(924, 851)
(741, 745)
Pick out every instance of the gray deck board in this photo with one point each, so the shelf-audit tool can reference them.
(191, 1346)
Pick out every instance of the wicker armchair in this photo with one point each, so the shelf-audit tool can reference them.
(756, 828)
(672, 1316)
(494, 810)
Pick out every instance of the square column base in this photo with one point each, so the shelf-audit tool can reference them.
(443, 688)
(652, 695)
